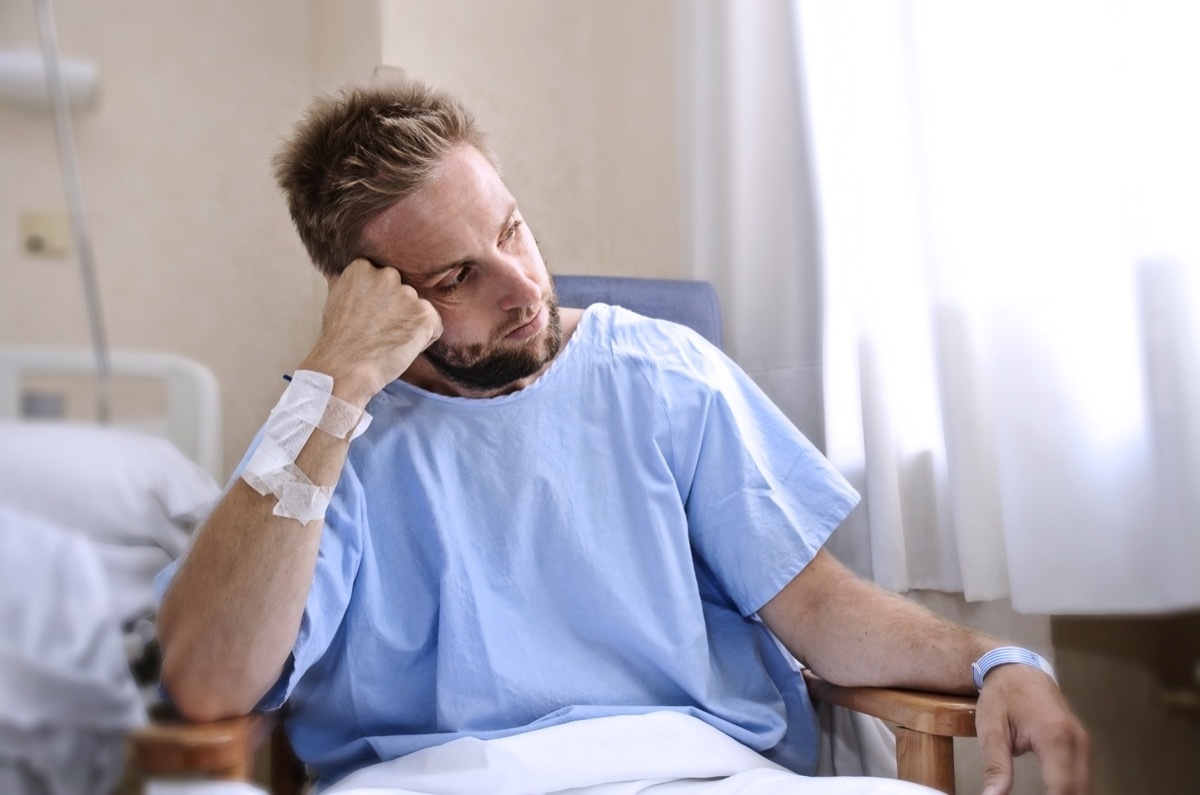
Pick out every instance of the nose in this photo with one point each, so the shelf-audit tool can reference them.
(519, 287)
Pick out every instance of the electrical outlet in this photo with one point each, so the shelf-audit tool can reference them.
(40, 404)
(46, 233)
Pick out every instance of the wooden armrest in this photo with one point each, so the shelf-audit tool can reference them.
(221, 749)
(926, 725)
(929, 713)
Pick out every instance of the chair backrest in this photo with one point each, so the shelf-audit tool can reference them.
(691, 303)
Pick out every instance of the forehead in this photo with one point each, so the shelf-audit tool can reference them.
(458, 212)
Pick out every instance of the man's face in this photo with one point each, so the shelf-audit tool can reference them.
(462, 244)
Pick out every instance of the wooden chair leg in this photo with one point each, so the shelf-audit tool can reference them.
(287, 774)
(925, 759)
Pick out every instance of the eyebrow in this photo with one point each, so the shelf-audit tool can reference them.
(431, 277)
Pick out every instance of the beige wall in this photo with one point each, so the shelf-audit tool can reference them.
(193, 247)
(579, 101)
(194, 251)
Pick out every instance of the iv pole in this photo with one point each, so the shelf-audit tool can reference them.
(74, 191)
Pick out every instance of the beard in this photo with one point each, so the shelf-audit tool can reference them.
(474, 368)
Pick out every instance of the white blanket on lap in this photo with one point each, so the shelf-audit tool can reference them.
(660, 753)
(657, 753)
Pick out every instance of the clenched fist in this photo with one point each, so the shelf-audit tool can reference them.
(373, 328)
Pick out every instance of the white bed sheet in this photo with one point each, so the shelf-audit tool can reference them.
(67, 694)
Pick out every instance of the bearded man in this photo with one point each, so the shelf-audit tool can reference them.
(479, 525)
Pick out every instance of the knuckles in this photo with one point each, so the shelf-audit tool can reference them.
(369, 302)
(1063, 731)
(995, 769)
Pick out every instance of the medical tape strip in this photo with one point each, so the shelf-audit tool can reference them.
(306, 405)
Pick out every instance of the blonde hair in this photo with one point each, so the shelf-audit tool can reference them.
(356, 153)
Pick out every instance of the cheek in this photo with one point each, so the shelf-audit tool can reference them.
(461, 326)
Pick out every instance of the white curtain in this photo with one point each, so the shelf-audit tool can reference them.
(1008, 199)
(747, 194)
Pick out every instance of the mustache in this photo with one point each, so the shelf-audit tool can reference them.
(524, 318)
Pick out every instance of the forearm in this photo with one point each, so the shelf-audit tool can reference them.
(232, 613)
(231, 616)
(852, 632)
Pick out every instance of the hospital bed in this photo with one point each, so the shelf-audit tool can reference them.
(39, 383)
(89, 513)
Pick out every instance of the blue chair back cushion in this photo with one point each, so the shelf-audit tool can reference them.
(691, 303)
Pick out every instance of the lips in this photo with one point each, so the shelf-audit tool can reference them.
(529, 327)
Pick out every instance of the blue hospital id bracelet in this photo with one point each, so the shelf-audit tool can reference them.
(1005, 655)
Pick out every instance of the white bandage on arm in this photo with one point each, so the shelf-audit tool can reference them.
(307, 404)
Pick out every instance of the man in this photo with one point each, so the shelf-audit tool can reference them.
(556, 518)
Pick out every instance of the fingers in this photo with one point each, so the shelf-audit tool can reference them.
(1064, 751)
(1083, 763)
(996, 744)
(1021, 709)
(357, 264)
(373, 327)
(435, 323)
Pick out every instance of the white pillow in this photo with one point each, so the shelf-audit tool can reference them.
(135, 495)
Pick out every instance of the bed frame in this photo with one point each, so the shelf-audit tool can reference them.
(187, 411)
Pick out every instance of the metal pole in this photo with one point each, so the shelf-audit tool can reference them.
(70, 168)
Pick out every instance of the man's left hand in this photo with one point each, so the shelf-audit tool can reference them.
(1021, 709)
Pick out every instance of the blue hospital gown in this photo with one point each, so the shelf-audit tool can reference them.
(594, 544)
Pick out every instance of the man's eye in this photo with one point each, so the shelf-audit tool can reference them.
(454, 282)
(510, 232)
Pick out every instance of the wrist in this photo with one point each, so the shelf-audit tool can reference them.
(348, 385)
(307, 405)
(1008, 655)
